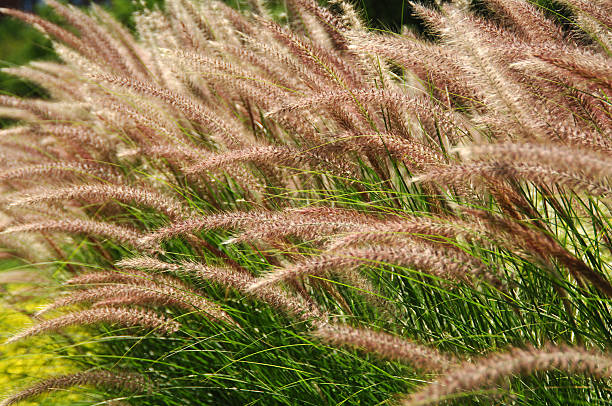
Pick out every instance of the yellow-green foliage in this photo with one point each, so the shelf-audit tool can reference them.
(21, 362)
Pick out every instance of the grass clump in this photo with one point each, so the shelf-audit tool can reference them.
(232, 210)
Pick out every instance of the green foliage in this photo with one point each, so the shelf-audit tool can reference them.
(390, 15)
(20, 43)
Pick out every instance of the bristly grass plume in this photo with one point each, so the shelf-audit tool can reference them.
(275, 205)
